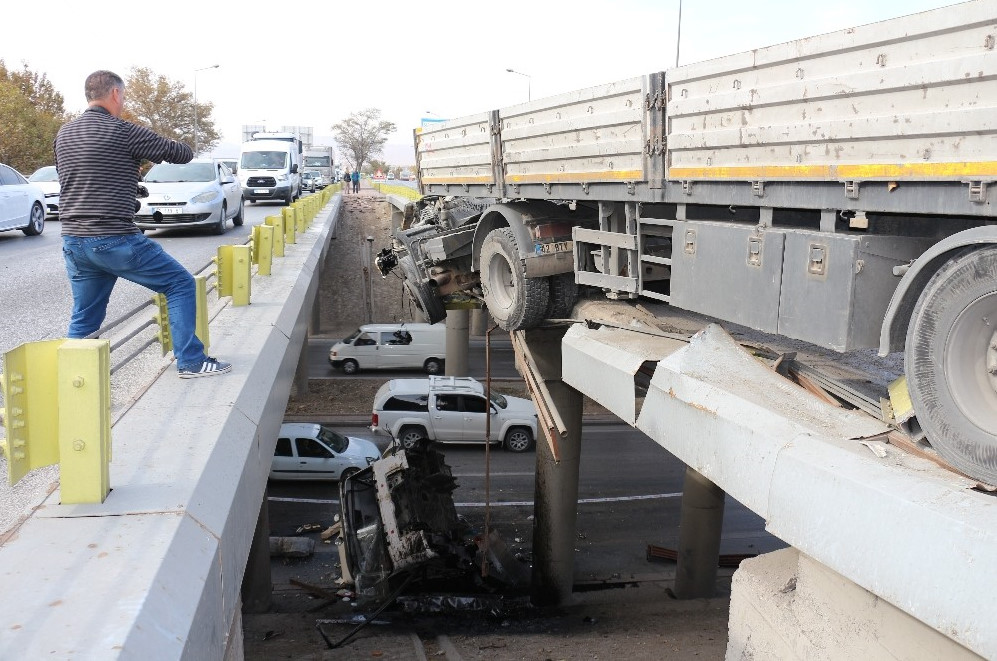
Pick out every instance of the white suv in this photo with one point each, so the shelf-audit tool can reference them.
(451, 409)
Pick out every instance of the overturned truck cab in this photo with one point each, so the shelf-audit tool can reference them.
(515, 256)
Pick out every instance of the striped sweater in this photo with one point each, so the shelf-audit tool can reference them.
(98, 156)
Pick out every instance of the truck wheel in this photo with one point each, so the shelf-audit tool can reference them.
(563, 294)
(411, 437)
(350, 366)
(951, 362)
(514, 301)
(433, 366)
(518, 439)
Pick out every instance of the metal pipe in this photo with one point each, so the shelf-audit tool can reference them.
(117, 322)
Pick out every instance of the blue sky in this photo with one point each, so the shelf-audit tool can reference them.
(315, 62)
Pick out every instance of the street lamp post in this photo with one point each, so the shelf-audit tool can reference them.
(529, 82)
(213, 66)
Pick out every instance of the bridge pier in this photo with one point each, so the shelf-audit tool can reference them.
(457, 343)
(257, 587)
(555, 510)
(700, 529)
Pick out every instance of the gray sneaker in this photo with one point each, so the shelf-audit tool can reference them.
(210, 367)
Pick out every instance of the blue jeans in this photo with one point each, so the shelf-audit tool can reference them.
(94, 264)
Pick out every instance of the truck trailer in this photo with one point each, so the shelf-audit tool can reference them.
(838, 189)
(322, 160)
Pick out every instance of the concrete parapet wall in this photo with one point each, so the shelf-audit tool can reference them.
(155, 571)
(785, 605)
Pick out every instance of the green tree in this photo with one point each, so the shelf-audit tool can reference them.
(36, 88)
(362, 135)
(376, 164)
(31, 112)
(166, 107)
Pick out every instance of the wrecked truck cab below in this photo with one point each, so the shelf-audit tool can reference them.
(399, 515)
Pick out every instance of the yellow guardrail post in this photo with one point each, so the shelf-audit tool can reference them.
(223, 270)
(290, 225)
(84, 400)
(201, 323)
(242, 274)
(277, 222)
(31, 417)
(263, 248)
(58, 410)
(162, 318)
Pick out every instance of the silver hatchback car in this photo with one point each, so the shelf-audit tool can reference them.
(202, 193)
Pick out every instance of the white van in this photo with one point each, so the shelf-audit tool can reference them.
(392, 346)
(269, 167)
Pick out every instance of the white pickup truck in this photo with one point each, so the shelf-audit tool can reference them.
(451, 409)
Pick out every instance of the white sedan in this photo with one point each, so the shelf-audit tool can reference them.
(310, 451)
(47, 179)
(201, 193)
(22, 204)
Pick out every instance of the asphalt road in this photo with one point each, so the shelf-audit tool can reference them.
(35, 300)
(35, 304)
(624, 505)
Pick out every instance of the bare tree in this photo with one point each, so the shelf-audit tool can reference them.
(362, 135)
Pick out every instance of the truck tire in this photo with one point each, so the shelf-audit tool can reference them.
(433, 366)
(411, 437)
(350, 366)
(514, 301)
(951, 362)
(563, 294)
(518, 439)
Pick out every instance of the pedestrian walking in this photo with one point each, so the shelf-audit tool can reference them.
(97, 156)
(356, 181)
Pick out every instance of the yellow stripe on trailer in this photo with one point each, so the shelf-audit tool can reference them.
(957, 170)
(458, 180)
(575, 177)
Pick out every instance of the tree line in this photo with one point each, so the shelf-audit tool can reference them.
(32, 111)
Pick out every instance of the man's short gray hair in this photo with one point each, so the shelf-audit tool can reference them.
(100, 83)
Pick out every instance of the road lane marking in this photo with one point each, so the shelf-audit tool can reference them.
(515, 503)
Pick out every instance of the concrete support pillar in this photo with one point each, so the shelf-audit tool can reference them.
(457, 343)
(556, 491)
(699, 537)
(257, 587)
(301, 373)
(315, 323)
(479, 322)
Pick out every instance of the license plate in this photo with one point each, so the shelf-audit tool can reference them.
(170, 211)
(261, 191)
(552, 247)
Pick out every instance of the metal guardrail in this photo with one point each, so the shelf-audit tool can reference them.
(155, 569)
(32, 390)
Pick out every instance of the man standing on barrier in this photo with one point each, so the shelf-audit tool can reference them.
(97, 156)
